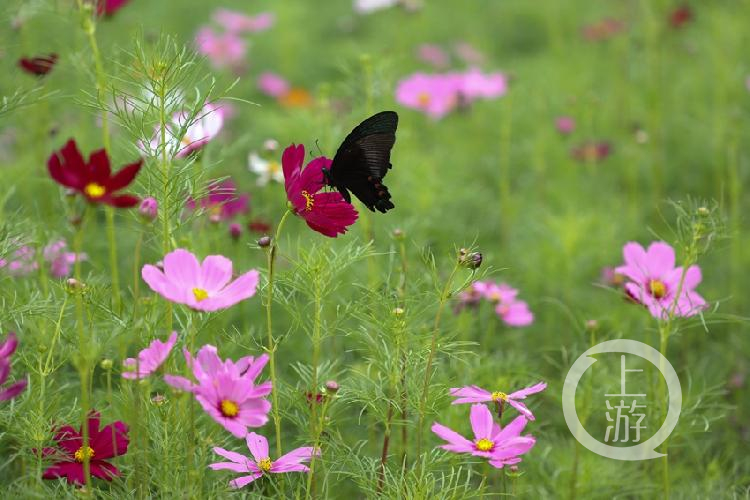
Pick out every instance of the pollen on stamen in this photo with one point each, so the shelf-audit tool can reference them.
(485, 445)
(229, 408)
(94, 190)
(264, 464)
(200, 294)
(309, 201)
(657, 288)
(81, 454)
(499, 396)
(423, 99)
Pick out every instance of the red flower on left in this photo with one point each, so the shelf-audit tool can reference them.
(93, 179)
(106, 443)
(40, 65)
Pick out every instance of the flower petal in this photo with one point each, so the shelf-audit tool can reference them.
(258, 446)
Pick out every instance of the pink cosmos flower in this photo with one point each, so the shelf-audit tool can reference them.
(435, 95)
(60, 261)
(273, 85)
(227, 390)
(655, 281)
(237, 22)
(565, 124)
(201, 130)
(203, 287)
(261, 463)
(21, 263)
(433, 55)
(327, 212)
(509, 308)
(469, 54)
(222, 202)
(225, 50)
(501, 446)
(475, 84)
(474, 394)
(7, 348)
(149, 359)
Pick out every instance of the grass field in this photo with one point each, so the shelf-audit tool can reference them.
(589, 125)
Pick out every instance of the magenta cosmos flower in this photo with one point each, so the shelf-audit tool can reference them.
(474, 394)
(326, 213)
(226, 390)
(149, 359)
(501, 446)
(655, 281)
(223, 203)
(273, 85)
(109, 442)
(93, 179)
(261, 463)
(60, 260)
(202, 286)
(7, 348)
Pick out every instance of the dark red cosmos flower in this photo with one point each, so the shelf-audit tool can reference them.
(591, 151)
(259, 226)
(40, 65)
(602, 30)
(681, 16)
(106, 443)
(327, 212)
(93, 179)
(109, 7)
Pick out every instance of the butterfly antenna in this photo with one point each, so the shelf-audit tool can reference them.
(318, 146)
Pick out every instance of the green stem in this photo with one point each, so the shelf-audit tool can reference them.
(431, 356)
(314, 425)
(271, 347)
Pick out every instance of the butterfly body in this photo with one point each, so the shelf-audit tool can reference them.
(363, 159)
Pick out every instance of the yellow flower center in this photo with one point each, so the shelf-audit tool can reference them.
(186, 141)
(296, 98)
(499, 396)
(229, 408)
(423, 98)
(200, 294)
(273, 167)
(309, 202)
(485, 445)
(265, 464)
(82, 454)
(94, 190)
(657, 288)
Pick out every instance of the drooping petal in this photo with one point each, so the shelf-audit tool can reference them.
(522, 408)
(13, 390)
(244, 480)
(72, 471)
(292, 461)
(235, 457)
(470, 394)
(523, 393)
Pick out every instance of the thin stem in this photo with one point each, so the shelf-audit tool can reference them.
(271, 347)
(431, 356)
(315, 428)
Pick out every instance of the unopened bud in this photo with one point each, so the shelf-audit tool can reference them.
(148, 209)
(270, 145)
(470, 260)
(592, 325)
(158, 399)
(72, 285)
(106, 364)
(332, 387)
(235, 231)
(703, 211)
(398, 311)
(398, 234)
(264, 242)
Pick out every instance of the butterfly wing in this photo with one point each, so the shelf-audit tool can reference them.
(364, 158)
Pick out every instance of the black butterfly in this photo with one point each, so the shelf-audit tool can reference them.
(362, 161)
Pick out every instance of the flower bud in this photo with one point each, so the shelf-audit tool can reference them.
(235, 231)
(264, 242)
(106, 364)
(398, 234)
(73, 286)
(398, 311)
(592, 325)
(158, 399)
(148, 209)
(703, 211)
(470, 260)
(270, 145)
(332, 387)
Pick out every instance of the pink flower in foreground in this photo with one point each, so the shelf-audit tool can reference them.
(149, 359)
(327, 212)
(433, 55)
(565, 124)
(226, 390)
(474, 394)
(261, 463)
(201, 286)
(273, 85)
(7, 348)
(60, 261)
(435, 95)
(226, 50)
(501, 446)
(655, 281)
(223, 203)
(237, 22)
